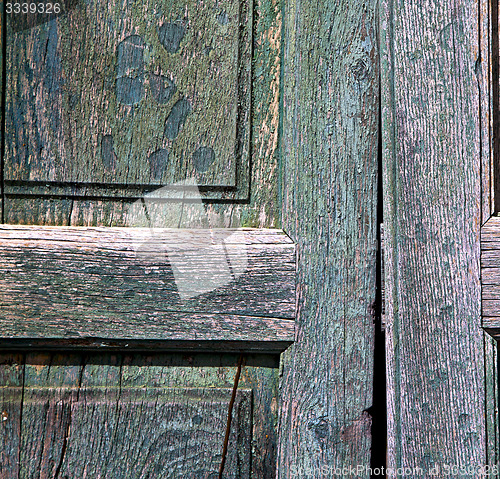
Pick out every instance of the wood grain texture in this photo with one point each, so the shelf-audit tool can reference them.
(11, 383)
(330, 125)
(2, 106)
(432, 217)
(130, 95)
(133, 432)
(485, 73)
(115, 283)
(262, 206)
(490, 276)
(491, 383)
(95, 414)
(260, 209)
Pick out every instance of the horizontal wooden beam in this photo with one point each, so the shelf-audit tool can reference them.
(140, 287)
(490, 276)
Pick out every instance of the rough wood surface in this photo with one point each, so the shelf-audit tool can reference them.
(432, 218)
(492, 397)
(486, 72)
(490, 275)
(330, 124)
(126, 94)
(133, 432)
(92, 386)
(2, 107)
(115, 283)
(259, 210)
(11, 383)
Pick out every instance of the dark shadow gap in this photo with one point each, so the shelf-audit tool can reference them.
(3, 106)
(495, 93)
(378, 410)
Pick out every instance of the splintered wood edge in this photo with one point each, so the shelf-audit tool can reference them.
(490, 276)
(266, 325)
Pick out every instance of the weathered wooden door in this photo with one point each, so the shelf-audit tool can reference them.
(121, 346)
(123, 342)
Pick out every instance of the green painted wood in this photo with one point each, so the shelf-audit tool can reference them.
(130, 415)
(11, 393)
(133, 432)
(262, 208)
(330, 123)
(432, 216)
(485, 73)
(2, 104)
(186, 370)
(134, 94)
(491, 384)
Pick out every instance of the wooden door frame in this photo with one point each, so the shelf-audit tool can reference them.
(330, 106)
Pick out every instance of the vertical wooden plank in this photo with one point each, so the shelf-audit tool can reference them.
(432, 217)
(484, 71)
(11, 393)
(330, 124)
(487, 74)
(2, 106)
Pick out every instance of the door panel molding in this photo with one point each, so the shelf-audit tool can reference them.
(111, 101)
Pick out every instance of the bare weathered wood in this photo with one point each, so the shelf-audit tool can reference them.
(491, 307)
(116, 283)
(330, 124)
(490, 234)
(490, 276)
(492, 325)
(492, 397)
(432, 217)
(100, 409)
(175, 432)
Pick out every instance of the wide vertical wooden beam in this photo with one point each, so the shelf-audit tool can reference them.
(330, 136)
(432, 214)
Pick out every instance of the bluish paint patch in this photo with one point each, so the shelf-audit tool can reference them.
(203, 157)
(158, 161)
(176, 119)
(197, 420)
(129, 91)
(171, 35)
(222, 17)
(161, 87)
(130, 56)
(53, 76)
(130, 70)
